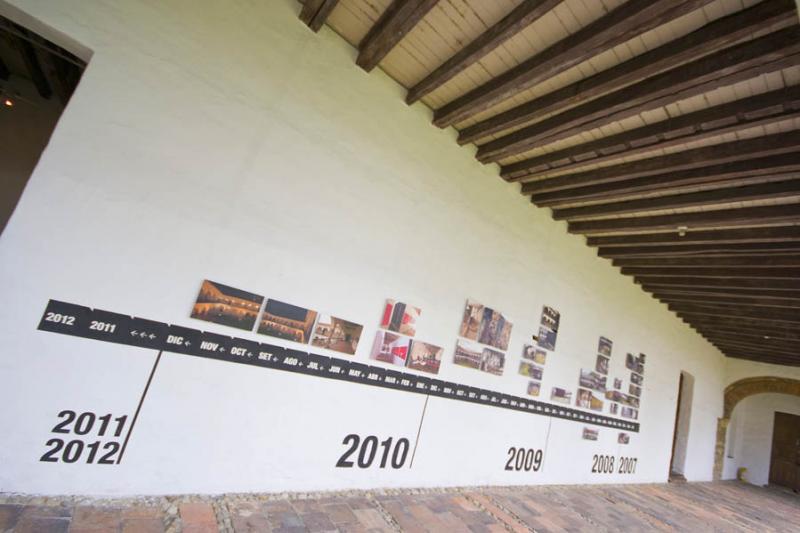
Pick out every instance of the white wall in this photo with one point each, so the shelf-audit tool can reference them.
(749, 442)
(737, 369)
(228, 142)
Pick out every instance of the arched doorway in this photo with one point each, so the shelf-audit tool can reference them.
(735, 393)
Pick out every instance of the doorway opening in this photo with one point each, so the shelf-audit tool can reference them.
(784, 466)
(37, 79)
(680, 438)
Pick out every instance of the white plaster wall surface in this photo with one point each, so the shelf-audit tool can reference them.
(228, 142)
(738, 369)
(750, 435)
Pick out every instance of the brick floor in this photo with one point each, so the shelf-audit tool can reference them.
(725, 506)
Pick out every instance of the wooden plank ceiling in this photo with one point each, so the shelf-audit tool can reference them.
(666, 131)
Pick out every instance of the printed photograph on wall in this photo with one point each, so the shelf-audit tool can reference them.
(635, 390)
(336, 334)
(595, 403)
(287, 321)
(592, 380)
(590, 433)
(601, 366)
(390, 348)
(492, 361)
(617, 383)
(535, 354)
(471, 321)
(636, 379)
(550, 318)
(533, 388)
(530, 370)
(560, 395)
(614, 409)
(547, 338)
(629, 412)
(425, 357)
(226, 305)
(604, 347)
(400, 317)
(494, 329)
(623, 438)
(631, 363)
(584, 398)
(468, 354)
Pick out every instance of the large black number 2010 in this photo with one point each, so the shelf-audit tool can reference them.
(368, 450)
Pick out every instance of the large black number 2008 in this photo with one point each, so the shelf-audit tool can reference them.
(368, 450)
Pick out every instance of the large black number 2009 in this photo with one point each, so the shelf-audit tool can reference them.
(524, 459)
(368, 450)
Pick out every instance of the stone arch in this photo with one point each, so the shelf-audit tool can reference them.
(738, 391)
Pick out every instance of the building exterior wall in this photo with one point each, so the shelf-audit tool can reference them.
(230, 143)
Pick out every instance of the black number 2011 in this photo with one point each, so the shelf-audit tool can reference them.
(369, 449)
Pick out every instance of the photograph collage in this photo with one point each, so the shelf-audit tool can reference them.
(233, 307)
(534, 356)
(394, 342)
(485, 335)
(593, 383)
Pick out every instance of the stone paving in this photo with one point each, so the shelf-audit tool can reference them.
(722, 506)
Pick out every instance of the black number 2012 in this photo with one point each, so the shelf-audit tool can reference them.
(369, 449)
(74, 449)
(524, 459)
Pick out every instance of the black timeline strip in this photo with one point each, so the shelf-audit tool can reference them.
(81, 321)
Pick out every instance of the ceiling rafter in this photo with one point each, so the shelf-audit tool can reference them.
(705, 40)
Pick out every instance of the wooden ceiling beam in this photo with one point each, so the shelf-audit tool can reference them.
(750, 342)
(625, 22)
(521, 17)
(763, 314)
(787, 335)
(730, 283)
(749, 356)
(706, 199)
(692, 127)
(762, 327)
(715, 237)
(699, 250)
(729, 174)
(758, 147)
(770, 53)
(778, 296)
(715, 35)
(715, 272)
(727, 300)
(396, 21)
(316, 12)
(755, 260)
(758, 350)
(723, 218)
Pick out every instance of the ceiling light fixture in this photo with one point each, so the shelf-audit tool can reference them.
(682, 230)
(8, 102)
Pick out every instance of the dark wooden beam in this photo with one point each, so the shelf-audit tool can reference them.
(762, 327)
(768, 145)
(731, 283)
(764, 314)
(715, 35)
(716, 272)
(315, 12)
(741, 235)
(749, 356)
(734, 292)
(746, 216)
(747, 172)
(738, 63)
(727, 300)
(706, 199)
(34, 67)
(755, 260)
(758, 351)
(692, 127)
(749, 342)
(621, 24)
(700, 250)
(786, 335)
(4, 72)
(522, 16)
(399, 18)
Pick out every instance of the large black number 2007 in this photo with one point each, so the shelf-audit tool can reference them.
(368, 450)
